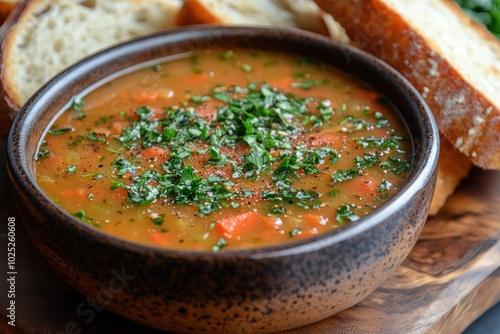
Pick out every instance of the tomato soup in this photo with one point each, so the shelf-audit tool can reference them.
(221, 149)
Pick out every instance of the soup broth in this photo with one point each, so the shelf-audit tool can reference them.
(223, 150)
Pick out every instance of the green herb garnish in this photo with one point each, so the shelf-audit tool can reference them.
(81, 215)
(71, 169)
(345, 215)
(294, 232)
(56, 131)
(77, 106)
(344, 175)
(219, 245)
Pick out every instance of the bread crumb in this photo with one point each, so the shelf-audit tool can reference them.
(433, 70)
(477, 120)
(459, 142)
(425, 92)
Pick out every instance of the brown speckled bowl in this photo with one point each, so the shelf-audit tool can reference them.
(261, 290)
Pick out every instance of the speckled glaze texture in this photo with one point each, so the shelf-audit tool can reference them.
(263, 290)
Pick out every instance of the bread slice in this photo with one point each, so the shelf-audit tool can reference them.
(452, 60)
(47, 36)
(303, 14)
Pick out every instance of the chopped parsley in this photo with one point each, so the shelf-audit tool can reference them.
(56, 131)
(383, 143)
(43, 154)
(158, 221)
(77, 106)
(200, 99)
(344, 214)
(95, 137)
(384, 186)
(71, 169)
(219, 245)
(344, 175)
(306, 84)
(123, 166)
(369, 159)
(294, 232)
(382, 122)
(246, 68)
(355, 124)
(81, 215)
(396, 165)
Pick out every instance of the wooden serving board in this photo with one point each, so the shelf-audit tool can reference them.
(450, 278)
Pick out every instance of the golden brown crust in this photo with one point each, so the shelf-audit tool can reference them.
(465, 116)
(193, 12)
(5, 9)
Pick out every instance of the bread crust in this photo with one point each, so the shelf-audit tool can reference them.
(8, 108)
(465, 116)
(201, 12)
(6, 7)
(193, 12)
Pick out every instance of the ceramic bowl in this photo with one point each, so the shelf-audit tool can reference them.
(260, 290)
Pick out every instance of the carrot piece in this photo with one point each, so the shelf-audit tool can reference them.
(120, 192)
(363, 186)
(367, 94)
(312, 221)
(157, 114)
(74, 194)
(311, 226)
(127, 176)
(242, 224)
(154, 152)
(143, 95)
(52, 162)
(199, 77)
(208, 109)
(118, 126)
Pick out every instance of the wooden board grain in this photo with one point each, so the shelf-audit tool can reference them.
(450, 278)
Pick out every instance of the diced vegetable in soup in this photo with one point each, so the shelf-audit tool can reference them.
(225, 150)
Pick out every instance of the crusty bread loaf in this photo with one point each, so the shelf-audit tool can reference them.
(49, 35)
(303, 14)
(452, 60)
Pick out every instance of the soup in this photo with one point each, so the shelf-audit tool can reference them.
(222, 149)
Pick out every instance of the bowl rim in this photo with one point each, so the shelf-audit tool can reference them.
(20, 174)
